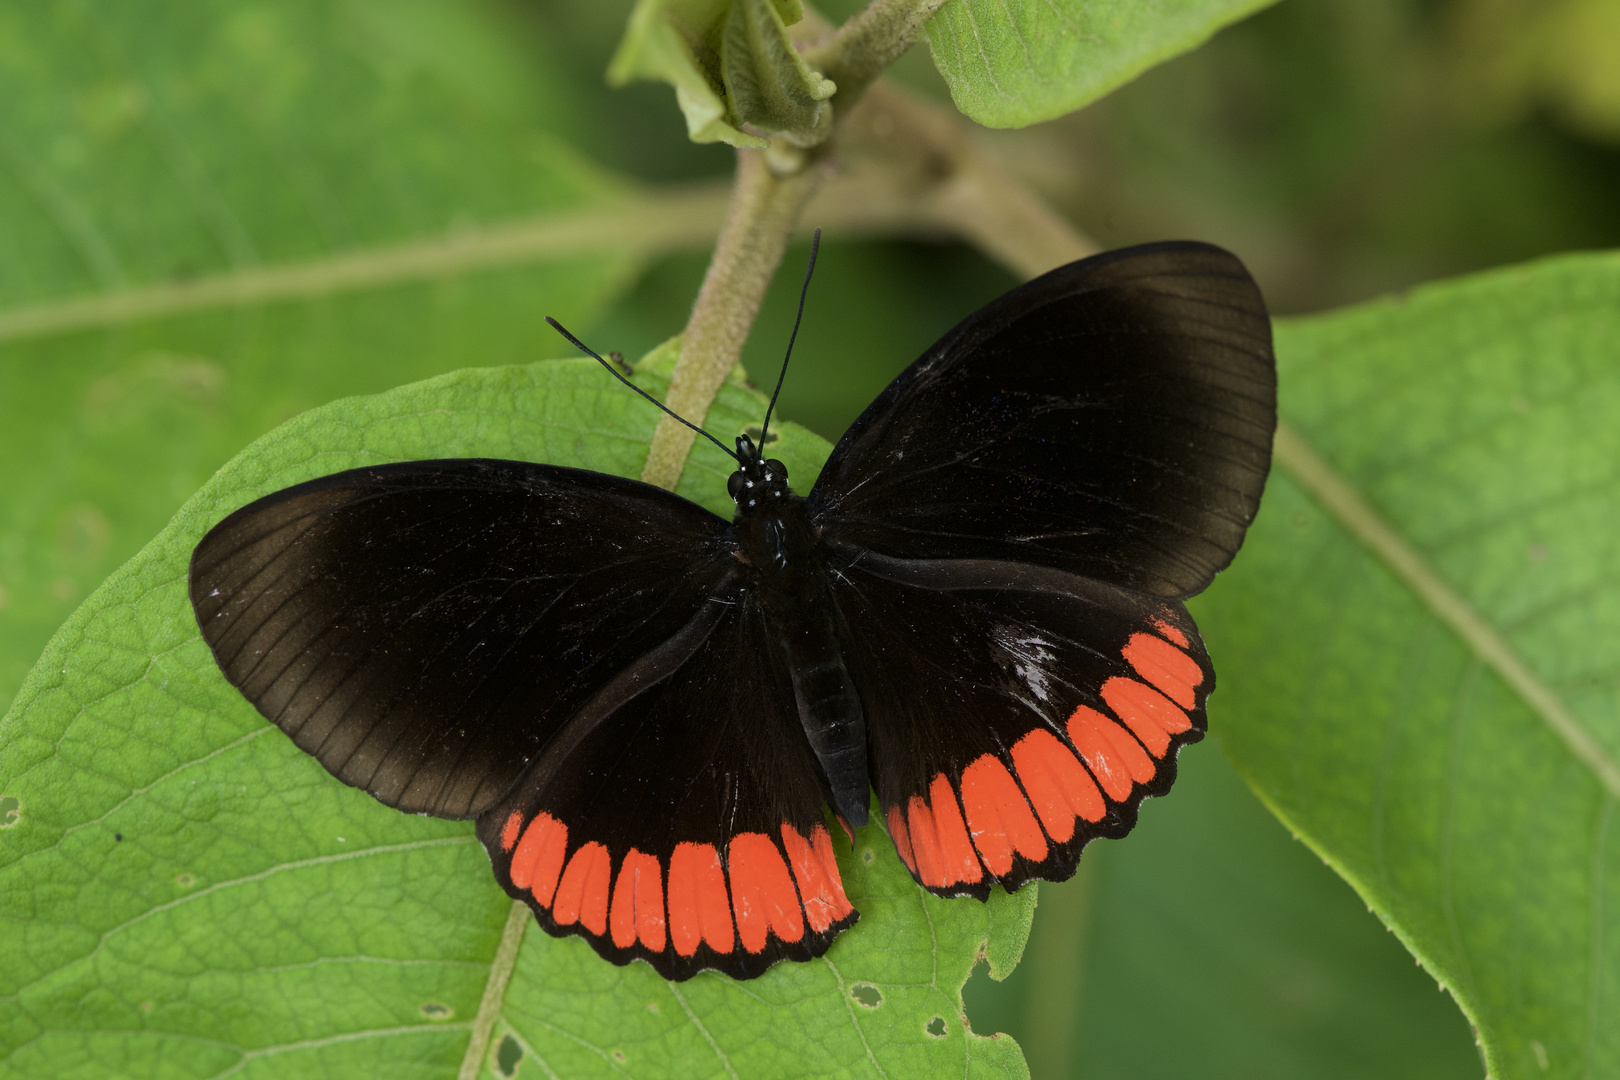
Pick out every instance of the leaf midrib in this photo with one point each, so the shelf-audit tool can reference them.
(1293, 453)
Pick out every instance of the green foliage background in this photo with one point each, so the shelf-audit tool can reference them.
(1343, 147)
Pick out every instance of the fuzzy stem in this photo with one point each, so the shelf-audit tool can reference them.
(764, 208)
(855, 54)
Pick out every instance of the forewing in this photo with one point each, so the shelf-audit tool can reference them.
(424, 629)
(678, 817)
(1112, 418)
(1015, 713)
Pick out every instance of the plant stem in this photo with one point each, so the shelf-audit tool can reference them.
(929, 164)
(765, 206)
(855, 54)
(772, 187)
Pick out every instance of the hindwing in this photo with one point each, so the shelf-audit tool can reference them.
(1015, 712)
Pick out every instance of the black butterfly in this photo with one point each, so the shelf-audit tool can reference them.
(975, 612)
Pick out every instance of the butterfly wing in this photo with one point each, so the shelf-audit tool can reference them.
(423, 629)
(1011, 524)
(1112, 418)
(678, 816)
(569, 657)
(1014, 712)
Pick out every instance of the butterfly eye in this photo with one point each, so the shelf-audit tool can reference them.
(735, 484)
(776, 470)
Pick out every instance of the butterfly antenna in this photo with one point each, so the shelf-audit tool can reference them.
(815, 246)
(588, 351)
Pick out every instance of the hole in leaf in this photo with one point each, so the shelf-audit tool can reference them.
(10, 811)
(936, 1027)
(185, 880)
(119, 837)
(435, 1011)
(507, 1056)
(753, 432)
(868, 856)
(867, 995)
(619, 1056)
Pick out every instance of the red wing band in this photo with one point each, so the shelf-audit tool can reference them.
(956, 835)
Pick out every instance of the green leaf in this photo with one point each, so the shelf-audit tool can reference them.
(732, 66)
(1011, 63)
(215, 216)
(184, 893)
(1280, 970)
(1418, 646)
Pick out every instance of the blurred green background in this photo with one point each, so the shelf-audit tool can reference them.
(1343, 148)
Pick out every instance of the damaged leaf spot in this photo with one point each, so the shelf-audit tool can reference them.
(507, 1056)
(10, 811)
(867, 995)
(936, 1027)
(435, 1011)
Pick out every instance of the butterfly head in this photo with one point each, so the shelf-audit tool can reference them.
(758, 481)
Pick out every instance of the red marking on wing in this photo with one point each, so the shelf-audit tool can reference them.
(901, 838)
(698, 907)
(998, 818)
(816, 871)
(824, 851)
(1170, 632)
(638, 902)
(1176, 674)
(1149, 713)
(1057, 784)
(511, 830)
(582, 895)
(762, 894)
(538, 860)
(958, 859)
(925, 843)
(1107, 748)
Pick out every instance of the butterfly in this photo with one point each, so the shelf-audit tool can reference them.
(975, 616)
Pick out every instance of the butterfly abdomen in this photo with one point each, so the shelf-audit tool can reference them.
(790, 580)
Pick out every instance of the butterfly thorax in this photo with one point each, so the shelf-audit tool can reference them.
(777, 541)
(776, 537)
(759, 483)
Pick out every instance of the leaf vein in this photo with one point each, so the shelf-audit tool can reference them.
(1358, 516)
(675, 992)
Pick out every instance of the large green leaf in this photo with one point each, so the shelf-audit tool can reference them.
(1010, 63)
(214, 216)
(184, 893)
(1279, 969)
(1418, 647)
